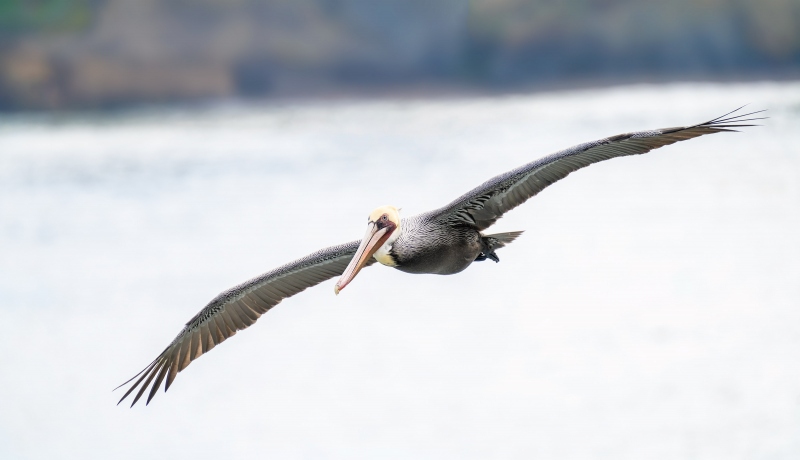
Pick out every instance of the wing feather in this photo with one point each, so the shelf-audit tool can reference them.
(173, 369)
(237, 309)
(161, 374)
(482, 206)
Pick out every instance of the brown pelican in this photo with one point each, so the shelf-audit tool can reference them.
(443, 241)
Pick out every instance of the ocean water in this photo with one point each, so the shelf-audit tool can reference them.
(651, 309)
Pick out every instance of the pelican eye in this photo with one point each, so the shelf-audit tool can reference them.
(384, 217)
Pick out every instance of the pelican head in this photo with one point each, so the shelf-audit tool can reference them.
(383, 228)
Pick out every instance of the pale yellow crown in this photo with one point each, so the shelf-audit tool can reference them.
(392, 212)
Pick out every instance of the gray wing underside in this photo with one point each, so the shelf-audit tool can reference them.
(482, 206)
(236, 309)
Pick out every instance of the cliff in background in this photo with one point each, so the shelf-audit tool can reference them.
(97, 53)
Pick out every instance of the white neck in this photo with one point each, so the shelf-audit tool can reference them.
(382, 254)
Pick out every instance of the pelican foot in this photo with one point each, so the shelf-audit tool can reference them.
(490, 255)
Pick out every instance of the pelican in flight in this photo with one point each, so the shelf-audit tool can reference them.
(443, 242)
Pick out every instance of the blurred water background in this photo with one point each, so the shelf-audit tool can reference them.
(650, 311)
(156, 152)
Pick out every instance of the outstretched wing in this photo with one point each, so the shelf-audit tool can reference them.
(236, 309)
(482, 206)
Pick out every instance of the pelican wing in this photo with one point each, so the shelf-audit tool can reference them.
(236, 309)
(481, 207)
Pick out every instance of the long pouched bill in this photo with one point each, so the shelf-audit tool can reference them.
(373, 239)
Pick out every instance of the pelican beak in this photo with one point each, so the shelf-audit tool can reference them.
(373, 240)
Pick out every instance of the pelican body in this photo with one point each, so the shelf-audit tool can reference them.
(444, 241)
(423, 244)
